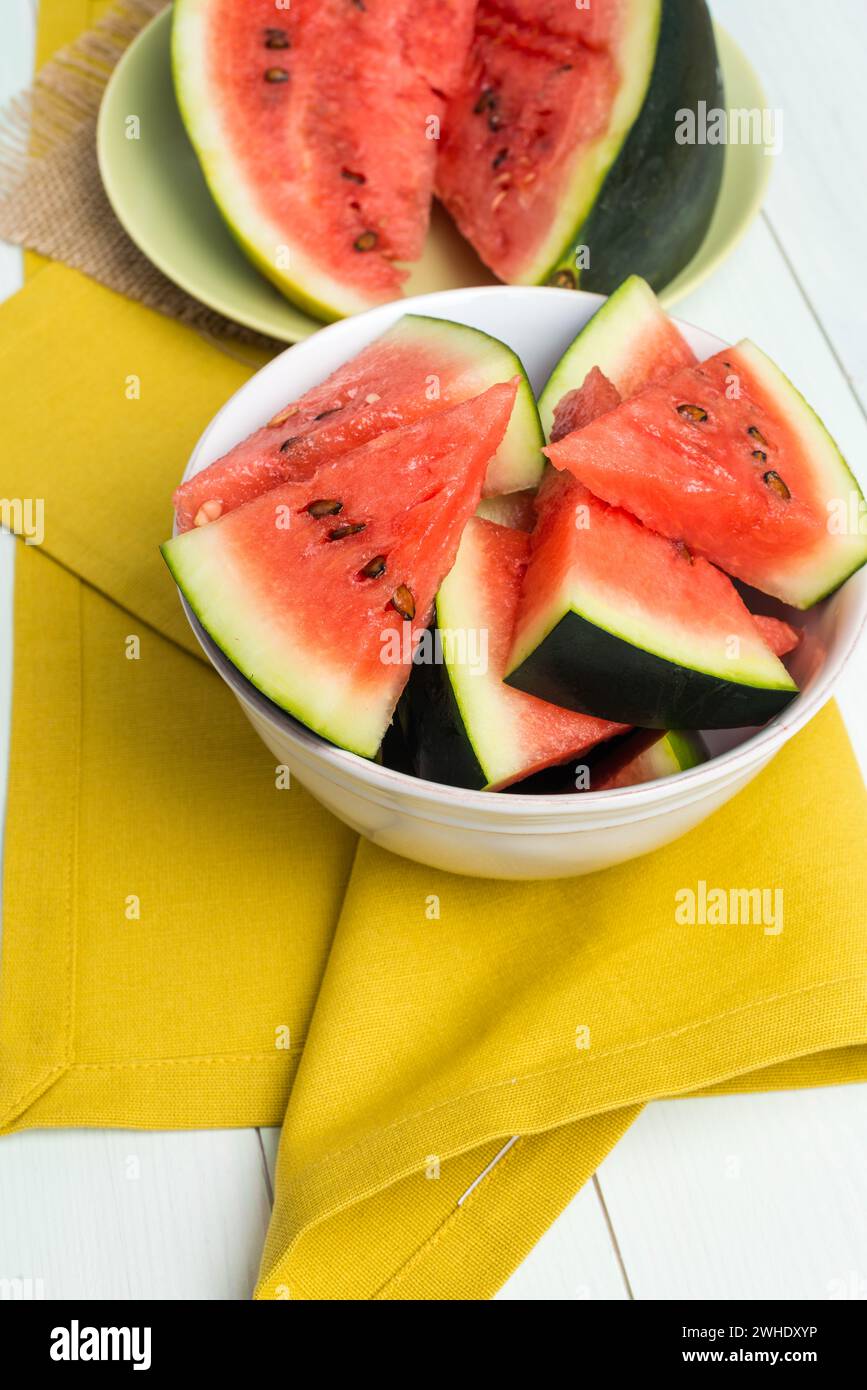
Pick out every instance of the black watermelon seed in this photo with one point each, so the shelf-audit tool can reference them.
(486, 99)
(499, 158)
(359, 4)
(563, 280)
(276, 75)
(697, 413)
(756, 434)
(350, 529)
(277, 38)
(324, 506)
(352, 176)
(773, 480)
(323, 414)
(760, 456)
(287, 443)
(366, 242)
(404, 602)
(374, 568)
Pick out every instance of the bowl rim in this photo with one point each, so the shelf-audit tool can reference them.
(759, 748)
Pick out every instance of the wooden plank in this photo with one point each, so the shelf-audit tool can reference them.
(123, 1215)
(811, 62)
(740, 1197)
(576, 1259)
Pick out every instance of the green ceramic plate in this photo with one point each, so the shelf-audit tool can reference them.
(159, 194)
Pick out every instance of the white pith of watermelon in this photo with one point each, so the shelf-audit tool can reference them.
(288, 603)
(630, 339)
(415, 368)
(576, 79)
(301, 173)
(720, 488)
(516, 510)
(625, 582)
(512, 734)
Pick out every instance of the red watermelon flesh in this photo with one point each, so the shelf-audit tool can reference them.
(315, 589)
(313, 127)
(542, 80)
(584, 403)
(728, 457)
(512, 734)
(781, 637)
(415, 368)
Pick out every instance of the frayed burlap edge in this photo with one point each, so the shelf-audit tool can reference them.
(51, 194)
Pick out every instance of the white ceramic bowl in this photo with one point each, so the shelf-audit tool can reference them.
(496, 835)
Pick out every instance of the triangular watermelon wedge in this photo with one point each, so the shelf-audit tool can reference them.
(616, 621)
(728, 457)
(415, 368)
(315, 589)
(464, 725)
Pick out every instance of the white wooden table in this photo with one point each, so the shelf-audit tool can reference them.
(757, 1196)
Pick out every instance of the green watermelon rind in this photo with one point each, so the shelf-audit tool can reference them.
(308, 286)
(805, 586)
(587, 663)
(477, 710)
(608, 341)
(688, 749)
(217, 602)
(627, 215)
(518, 463)
(638, 56)
(456, 722)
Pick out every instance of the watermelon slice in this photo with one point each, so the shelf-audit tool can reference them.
(780, 636)
(584, 403)
(315, 125)
(315, 589)
(728, 457)
(415, 368)
(646, 755)
(563, 138)
(464, 726)
(629, 343)
(618, 622)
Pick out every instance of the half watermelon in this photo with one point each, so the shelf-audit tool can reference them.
(315, 126)
(559, 161)
(316, 589)
(461, 723)
(618, 622)
(728, 457)
(414, 369)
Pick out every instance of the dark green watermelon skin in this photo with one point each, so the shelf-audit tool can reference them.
(433, 730)
(658, 198)
(582, 667)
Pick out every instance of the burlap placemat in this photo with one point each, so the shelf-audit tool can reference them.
(51, 194)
